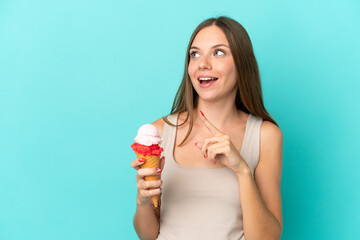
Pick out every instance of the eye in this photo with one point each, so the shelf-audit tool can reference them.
(191, 53)
(220, 50)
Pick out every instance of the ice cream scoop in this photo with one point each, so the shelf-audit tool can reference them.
(148, 135)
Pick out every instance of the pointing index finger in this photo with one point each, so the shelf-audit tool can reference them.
(210, 126)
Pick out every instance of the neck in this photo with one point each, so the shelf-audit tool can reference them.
(221, 114)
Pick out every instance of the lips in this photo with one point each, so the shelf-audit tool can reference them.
(202, 79)
(206, 84)
(205, 76)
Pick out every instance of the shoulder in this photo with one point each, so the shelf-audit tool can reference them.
(270, 133)
(159, 124)
(271, 140)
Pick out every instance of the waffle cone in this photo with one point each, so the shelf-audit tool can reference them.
(151, 161)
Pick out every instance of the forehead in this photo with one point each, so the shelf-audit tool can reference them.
(209, 36)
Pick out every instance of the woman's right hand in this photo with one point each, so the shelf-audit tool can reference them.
(144, 193)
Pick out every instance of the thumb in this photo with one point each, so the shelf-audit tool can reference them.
(162, 162)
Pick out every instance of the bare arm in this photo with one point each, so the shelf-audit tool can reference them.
(146, 223)
(261, 198)
(146, 218)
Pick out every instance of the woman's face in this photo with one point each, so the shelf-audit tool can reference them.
(210, 56)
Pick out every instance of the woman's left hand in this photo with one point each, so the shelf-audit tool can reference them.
(220, 148)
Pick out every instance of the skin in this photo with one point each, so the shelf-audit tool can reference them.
(259, 195)
(217, 62)
(146, 218)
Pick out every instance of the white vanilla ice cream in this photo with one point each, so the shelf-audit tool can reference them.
(148, 135)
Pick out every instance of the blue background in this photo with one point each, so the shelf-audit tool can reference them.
(77, 79)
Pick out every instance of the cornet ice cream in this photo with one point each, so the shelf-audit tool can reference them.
(146, 146)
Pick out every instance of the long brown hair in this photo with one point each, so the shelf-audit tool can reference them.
(249, 95)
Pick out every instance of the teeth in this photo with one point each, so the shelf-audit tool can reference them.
(206, 79)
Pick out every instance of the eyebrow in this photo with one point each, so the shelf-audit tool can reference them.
(217, 45)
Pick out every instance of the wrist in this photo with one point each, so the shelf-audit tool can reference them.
(243, 172)
(143, 202)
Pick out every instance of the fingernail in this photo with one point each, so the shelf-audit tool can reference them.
(204, 156)
(163, 157)
(160, 189)
(158, 170)
(202, 113)
(141, 160)
(196, 144)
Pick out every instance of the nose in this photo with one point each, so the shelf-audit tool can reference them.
(204, 62)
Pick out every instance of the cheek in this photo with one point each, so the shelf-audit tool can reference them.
(233, 73)
(230, 70)
(191, 71)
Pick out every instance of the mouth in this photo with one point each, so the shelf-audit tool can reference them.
(207, 80)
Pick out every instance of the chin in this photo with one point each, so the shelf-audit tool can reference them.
(207, 97)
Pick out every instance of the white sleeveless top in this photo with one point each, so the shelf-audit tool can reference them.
(203, 203)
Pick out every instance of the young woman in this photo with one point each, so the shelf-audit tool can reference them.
(223, 151)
